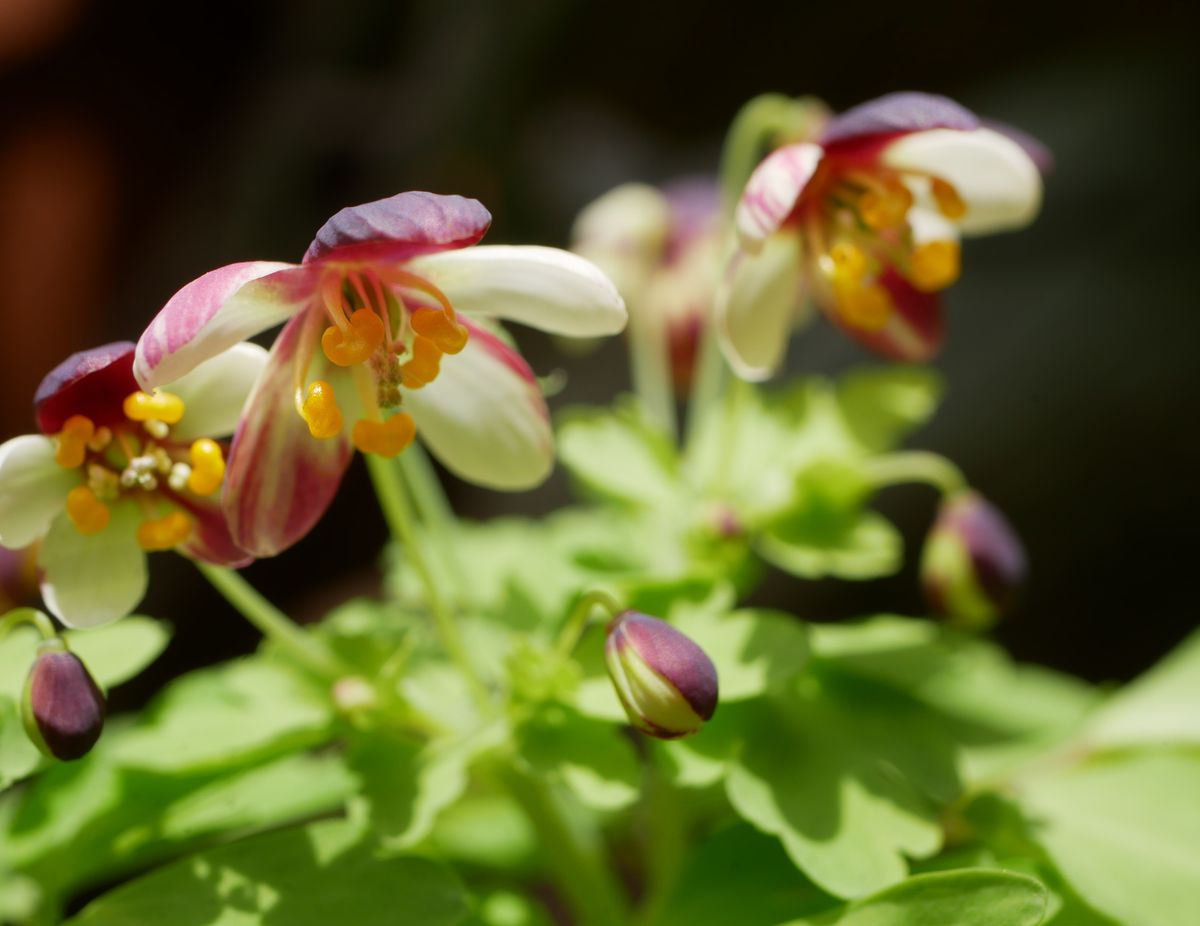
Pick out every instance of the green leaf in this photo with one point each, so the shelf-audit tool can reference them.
(1160, 708)
(308, 876)
(487, 830)
(239, 712)
(592, 758)
(619, 455)
(881, 405)
(868, 547)
(1125, 834)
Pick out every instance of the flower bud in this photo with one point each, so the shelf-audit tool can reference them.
(666, 683)
(63, 708)
(973, 563)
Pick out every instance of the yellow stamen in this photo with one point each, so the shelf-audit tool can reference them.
(87, 513)
(885, 205)
(164, 533)
(866, 307)
(935, 265)
(849, 262)
(355, 343)
(448, 334)
(424, 365)
(160, 406)
(73, 440)
(385, 438)
(949, 203)
(208, 467)
(320, 410)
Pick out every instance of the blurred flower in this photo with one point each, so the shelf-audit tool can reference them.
(63, 708)
(381, 289)
(866, 224)
(666, 683)
(116, 471)
(18, 577)
(662, 248)
(973, 563)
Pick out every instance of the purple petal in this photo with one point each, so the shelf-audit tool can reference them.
(92, 382)
(895, 113)
(280, 479)
(400, 227)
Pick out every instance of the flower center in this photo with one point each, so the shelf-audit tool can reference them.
(137, 459)
(390, 330)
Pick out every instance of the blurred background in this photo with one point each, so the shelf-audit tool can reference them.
(143, 143)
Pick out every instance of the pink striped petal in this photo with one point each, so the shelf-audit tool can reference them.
(772, 192)
(211, 541)
(485, 417)
(400, 227)
(280, 479)
(92, 382)
(896, 113)
(916, 329)
(213, 313)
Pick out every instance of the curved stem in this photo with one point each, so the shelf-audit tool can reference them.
(18, 616)
(397, 511)
(577, 621)
(270, 621)
(916, 466)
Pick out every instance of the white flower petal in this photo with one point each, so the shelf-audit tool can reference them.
(214, 393)
(546, 288)
(997, 180)
(757, 306)
(484, 416)
(88, 580)
(772, 191)
(33, 489)
(927, 224)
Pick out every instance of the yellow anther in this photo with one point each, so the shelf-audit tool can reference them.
(385, 438)
(164, 533)
(87, 513)
(949, 203)
(73, 440)
(868, 307)
(320, 410)
(935, 265)
(422, 368)
(849, 262)
(449, 335)
(157, 406)
(885, 206)
(356, 342)
(208, 467)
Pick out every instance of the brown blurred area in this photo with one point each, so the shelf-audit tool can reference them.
(142, 144)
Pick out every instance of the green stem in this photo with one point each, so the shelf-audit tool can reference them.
(575, 856)
(577, 621)
(432, 508)
(650, 368)
(397, 511)
(18, 616)
(708, 383)
(916, 466)
(665, 843)
(270, 621)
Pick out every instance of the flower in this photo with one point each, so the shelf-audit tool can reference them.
(662, 248)
(63, 708)
(973, 563)
(386, 338)
(117, 471)
(666, 683)
(865, 223)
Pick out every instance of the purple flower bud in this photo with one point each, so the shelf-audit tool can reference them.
(63, 708)
(973, 563)
(666, 683)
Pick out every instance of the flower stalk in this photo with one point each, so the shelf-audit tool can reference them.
(18, 616)
(916, 466)
(579, 618)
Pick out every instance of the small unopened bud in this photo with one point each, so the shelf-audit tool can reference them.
(63, 708)
(666, 683)
(973, 563)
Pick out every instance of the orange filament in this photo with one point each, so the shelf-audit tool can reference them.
(87, 513)
(164, 533)
(449, 335)
(385, 438)
(866, 307)
(935, 265)
(949, 203)
(73, 441)
(156, 406)
(356, 342)
(885, 205)
(208, 467)
(320, 410)
(424, 365)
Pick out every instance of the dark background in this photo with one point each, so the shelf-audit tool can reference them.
(144, 143)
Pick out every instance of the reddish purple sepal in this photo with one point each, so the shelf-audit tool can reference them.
(672, 655)
(897, 113)
(400, 227)
(996, 553)
(64, 707)
(211, 540)
(92, 382)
